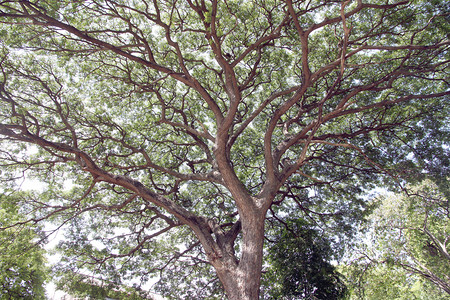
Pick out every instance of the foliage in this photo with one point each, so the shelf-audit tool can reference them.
(22, 263)
(87, 287)
(166, 133)
(299, 265)
(409, 237)
(383, 281)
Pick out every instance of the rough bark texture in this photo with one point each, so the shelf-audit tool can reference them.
(242, 280)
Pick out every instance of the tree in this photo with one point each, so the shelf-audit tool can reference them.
(191, 120)
(22, 262)
(409, 236)
(299, 265)
(383, 281)
(86, 287)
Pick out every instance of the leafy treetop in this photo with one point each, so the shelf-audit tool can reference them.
(207, 114)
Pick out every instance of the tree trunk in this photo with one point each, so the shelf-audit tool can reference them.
(241, 281)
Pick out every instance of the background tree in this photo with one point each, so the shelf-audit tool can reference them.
(88, 287)
(169, 129)
(299, 265)
(408, 234)
(388, 281)
(22, 263)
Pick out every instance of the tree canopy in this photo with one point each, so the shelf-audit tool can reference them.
(412, 232)
(405, 250)
(86, 287)
(22, 262)
(299, 264)
(168, 133)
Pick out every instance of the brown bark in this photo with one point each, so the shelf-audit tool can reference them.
(241, 280)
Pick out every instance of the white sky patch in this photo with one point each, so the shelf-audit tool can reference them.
(28, 184)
